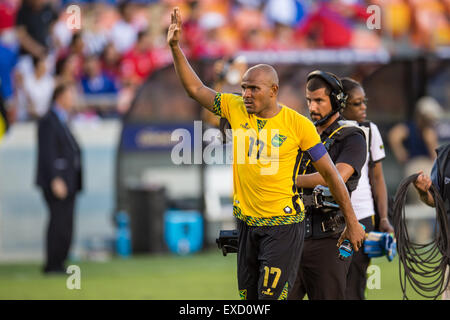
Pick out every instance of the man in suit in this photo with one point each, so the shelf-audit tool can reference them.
(59, 175)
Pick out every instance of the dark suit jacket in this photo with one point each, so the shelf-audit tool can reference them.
(58, 154)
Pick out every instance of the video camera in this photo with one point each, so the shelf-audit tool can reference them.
(228, 241)
(320, 198)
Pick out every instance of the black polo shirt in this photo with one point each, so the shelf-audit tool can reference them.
(351, 150)
(349, 146)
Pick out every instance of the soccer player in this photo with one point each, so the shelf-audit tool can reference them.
(267, 137)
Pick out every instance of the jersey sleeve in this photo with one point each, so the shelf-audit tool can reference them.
(224, 103)
(377, 151)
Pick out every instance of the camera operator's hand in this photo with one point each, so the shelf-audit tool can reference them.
(174, 33)
(355, 234)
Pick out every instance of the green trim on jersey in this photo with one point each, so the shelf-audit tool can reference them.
(217, 109)
(272, 221)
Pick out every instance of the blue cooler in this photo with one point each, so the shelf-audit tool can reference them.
(183, 231)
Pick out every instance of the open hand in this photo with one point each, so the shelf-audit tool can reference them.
(173, 35)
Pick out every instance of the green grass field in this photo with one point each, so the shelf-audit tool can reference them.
(203, 276)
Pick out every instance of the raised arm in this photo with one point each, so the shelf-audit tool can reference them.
(353, 230)
(189, 79)
(28, 43)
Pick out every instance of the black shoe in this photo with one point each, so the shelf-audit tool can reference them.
(49, 271)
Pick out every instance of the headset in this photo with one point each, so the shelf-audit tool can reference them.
(337, 96)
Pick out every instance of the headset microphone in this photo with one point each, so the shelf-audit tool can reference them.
(337, 97)
(322, 121)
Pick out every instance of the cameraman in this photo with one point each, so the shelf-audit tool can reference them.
(322, 275)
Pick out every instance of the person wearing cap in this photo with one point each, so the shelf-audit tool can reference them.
(322, 275)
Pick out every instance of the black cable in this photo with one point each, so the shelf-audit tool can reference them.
(424, 265)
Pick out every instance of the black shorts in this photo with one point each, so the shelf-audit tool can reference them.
(268, 260)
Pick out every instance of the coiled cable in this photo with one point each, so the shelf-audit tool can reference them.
(423, 265)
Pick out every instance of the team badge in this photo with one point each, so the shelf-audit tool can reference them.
(245, 126)
(267, 292)
(287, 209)
(278, 140)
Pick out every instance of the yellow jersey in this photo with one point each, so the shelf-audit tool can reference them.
(266, 156)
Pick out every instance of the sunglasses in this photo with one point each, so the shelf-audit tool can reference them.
(358, 103)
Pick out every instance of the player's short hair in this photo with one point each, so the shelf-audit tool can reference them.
(317, 83)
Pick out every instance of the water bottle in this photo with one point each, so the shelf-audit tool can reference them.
(123, 242)
(346, 248)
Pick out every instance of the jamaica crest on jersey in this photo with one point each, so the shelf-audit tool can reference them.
(278, 140)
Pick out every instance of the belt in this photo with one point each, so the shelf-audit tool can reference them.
(323, 218)
(320, 224)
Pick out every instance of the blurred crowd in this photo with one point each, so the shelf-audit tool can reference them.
(120, 43)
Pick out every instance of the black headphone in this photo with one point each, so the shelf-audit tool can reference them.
(337, 96)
